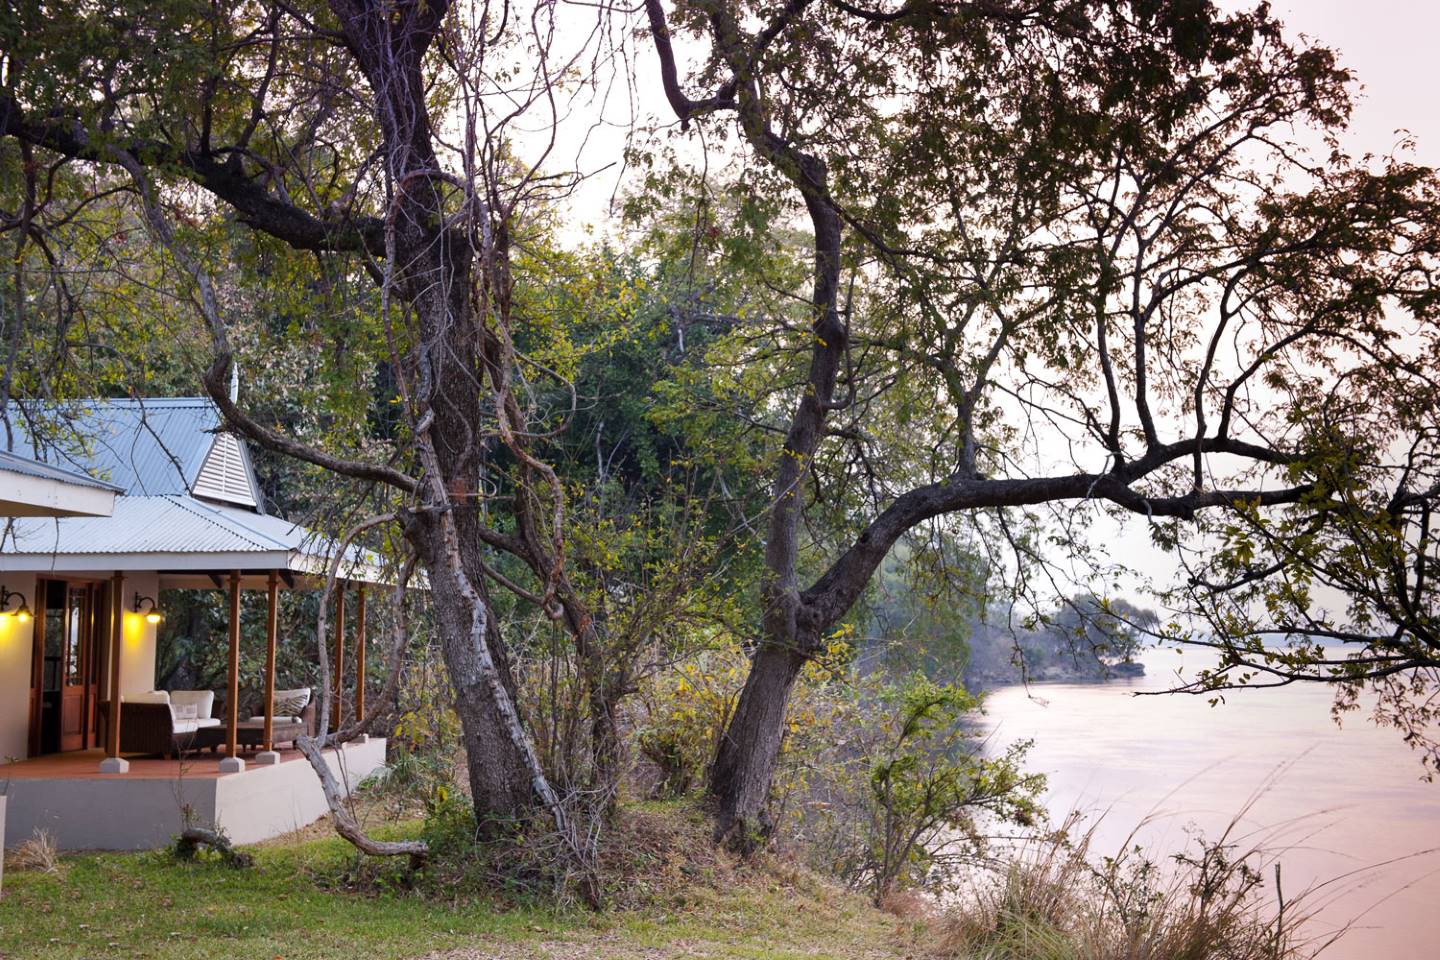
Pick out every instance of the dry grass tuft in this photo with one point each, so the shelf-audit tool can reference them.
(1054, 900)
(907, 905)
(39, 854)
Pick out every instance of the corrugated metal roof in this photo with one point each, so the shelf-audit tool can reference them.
(46, 471)
(153, 450)
(146, 447)
(169, 524)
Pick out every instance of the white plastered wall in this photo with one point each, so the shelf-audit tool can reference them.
(137, 649)
(17, 641)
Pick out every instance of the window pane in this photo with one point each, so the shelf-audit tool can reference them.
(74, 635)
(54, 633)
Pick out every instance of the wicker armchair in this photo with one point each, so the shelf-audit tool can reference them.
(151, 728)
(250, 734)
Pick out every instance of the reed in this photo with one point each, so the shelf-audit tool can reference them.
(1057, 898)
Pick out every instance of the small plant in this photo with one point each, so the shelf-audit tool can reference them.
(884, 784)
(39, 853)
(929, 784)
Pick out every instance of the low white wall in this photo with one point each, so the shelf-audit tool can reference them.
(110, 813)
(123, 812)
(268, 801)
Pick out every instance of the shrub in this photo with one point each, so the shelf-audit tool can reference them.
(686, 712)
(904, 792)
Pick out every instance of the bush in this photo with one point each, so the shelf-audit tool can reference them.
(686, 712)
(903, 792)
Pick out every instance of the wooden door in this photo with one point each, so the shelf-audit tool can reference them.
(65, 676)
(77, 687)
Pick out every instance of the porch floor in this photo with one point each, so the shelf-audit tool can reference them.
(85, 765)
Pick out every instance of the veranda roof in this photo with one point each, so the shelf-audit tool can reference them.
(29, 488)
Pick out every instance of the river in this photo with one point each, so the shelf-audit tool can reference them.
(1337, 801)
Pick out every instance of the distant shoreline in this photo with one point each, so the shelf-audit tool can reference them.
(1091, 673)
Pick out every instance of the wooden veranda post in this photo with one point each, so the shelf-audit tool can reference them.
(360, 653)
(339, 686)
(271, 632)
(232, 729)
(117, 633)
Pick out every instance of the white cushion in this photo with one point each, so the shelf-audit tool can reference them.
(183, 711)
(207, 722)
(203, 701)
(259, 721)
(154, 696)
(292, 701)
(186, 726)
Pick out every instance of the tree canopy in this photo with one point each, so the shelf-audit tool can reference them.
(993, 275)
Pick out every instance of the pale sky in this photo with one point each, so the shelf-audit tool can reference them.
(1391, 45)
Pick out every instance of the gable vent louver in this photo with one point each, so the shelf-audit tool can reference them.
(224, 475)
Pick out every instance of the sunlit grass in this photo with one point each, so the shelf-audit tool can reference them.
(303, 900)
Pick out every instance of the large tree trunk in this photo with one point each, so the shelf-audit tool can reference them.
(500, 780)
(745, 761)
(433, 269)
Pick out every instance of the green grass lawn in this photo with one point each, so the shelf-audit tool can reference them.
(294, 904)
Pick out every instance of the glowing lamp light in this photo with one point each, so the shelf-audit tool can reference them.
(145, 606)
(21, 612)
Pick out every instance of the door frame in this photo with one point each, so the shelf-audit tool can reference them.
(92, 654)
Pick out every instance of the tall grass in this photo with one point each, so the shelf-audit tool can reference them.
(1054, 898)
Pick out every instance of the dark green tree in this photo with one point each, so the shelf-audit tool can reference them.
(1074, 255)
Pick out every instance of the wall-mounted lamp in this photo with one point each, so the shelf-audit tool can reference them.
(146, 606)
(21, 612)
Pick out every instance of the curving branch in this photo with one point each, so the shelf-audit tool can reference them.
(216, 377)
(685, 108)
(216, 380)
(219, 172)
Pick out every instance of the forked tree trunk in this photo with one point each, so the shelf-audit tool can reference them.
(431, 255)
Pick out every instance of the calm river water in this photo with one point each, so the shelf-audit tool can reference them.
(1336, 800)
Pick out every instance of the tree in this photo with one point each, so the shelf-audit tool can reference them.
(1071, 257)
(320, 136)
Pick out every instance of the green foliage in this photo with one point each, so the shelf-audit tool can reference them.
(686, 712)
(912, 791)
